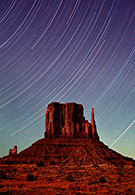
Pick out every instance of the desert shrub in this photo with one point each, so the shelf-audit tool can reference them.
(133, 164)
(49, 178)
(90, 182)
(69, 177)
(102, 180)
(40, 164)
(128, 191)
(30, 177)
(30, 162)
(3, 175)
(2, 162)
(59, 171)
(14, 170)
(24, 162)
(120, 164)
(9, 162)
(52, 163)
(119, 179)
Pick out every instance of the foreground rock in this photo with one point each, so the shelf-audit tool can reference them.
(82, 180)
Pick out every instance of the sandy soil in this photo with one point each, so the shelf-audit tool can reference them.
(64, 180)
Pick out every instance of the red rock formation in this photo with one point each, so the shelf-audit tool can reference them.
(67, 120)
(93, 124)
(13, 151)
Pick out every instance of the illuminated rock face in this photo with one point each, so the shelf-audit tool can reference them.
(93, 125)
(67, 120)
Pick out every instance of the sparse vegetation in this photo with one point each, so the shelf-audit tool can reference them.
(14, 170)
(30, 177)
(49, 178)
(69, 177)
(133, 164)
(74, 179)
(40, 164)
(3, 175)
(90, 182)
(52, 163)
(102, 180)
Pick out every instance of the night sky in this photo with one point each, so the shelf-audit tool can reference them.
(79, 51)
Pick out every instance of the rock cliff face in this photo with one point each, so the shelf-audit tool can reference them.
(67, 120)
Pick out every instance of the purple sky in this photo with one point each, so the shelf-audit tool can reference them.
(67, 51)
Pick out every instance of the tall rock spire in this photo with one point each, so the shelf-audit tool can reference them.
(93, 124)
(92, 116)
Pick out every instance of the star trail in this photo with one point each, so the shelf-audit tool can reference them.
(67, 51)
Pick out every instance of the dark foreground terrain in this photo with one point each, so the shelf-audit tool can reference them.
(67, 166)
(53, 179)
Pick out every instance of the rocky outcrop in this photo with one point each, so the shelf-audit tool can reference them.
(13, 151)
(67, 120)
(93, 125)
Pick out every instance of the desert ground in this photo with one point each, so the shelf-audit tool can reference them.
(55, 180)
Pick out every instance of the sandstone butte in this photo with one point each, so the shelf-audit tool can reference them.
(67, 120)
(69, 140)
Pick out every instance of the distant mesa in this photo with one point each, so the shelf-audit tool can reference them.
(67, 120)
